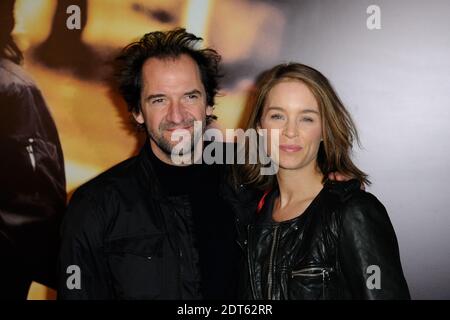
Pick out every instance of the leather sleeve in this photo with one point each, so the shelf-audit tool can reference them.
(32, 190)
(81, 246)
(368, 244)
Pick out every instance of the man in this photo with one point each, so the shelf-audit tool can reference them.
(147, 228)
(33, 186)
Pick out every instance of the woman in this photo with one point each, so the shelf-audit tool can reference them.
(313, 238)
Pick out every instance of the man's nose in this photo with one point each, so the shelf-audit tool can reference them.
(175, 113)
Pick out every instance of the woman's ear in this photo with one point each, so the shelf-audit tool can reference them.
(259, 129)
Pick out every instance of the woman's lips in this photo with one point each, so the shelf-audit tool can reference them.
(290, 147)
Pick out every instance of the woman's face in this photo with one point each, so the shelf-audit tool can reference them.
(292, 108)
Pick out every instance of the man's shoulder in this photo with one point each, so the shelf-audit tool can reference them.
(117, 177)
(94, 202)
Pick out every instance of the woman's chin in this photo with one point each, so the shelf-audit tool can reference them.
(290, 165)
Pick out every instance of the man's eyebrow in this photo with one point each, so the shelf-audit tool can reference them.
(160, 95)
(153, 96)
(194, 91)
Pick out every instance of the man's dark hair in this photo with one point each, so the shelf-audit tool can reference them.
(168, 44)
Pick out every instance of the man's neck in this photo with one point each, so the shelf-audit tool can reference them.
(183, 161)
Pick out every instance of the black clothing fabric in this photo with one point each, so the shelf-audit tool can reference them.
(209, 225)
(33, 186)
(148, 230)
(328, 252)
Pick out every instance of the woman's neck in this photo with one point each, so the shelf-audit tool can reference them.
(299, 184)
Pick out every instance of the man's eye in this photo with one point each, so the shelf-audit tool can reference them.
(192, 96)
(156, 101)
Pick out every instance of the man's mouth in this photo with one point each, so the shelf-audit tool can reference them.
(179, 128)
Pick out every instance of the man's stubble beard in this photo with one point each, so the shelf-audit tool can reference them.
(167, 146)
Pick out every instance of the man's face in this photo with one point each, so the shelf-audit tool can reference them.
(172, 97)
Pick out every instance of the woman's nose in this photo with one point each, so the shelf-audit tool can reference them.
(290, 130)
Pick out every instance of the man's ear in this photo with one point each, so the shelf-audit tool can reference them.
(209, 110)
(138, 116)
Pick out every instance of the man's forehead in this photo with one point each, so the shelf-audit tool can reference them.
(182, 62)
(171, 72)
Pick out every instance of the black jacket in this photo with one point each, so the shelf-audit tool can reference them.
(132, 241)
(342, 247)
(33, 186)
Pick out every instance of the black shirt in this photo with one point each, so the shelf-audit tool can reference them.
(209, 248)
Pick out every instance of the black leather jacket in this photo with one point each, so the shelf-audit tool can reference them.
(130, 240)
(342, 247)
(33, 185)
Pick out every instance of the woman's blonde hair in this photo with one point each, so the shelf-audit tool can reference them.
(338, 129)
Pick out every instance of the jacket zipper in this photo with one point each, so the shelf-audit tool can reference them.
(313, 272)
(307, 272)
(31, 153)
(252, 284)
(271, 271)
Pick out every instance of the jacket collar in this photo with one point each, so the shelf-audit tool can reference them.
(149, 177)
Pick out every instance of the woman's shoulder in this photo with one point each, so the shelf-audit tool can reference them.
(363, 212)
(355, 202)
(342, 190)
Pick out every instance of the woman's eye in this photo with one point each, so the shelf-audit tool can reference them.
(307, 119)
(276, 116)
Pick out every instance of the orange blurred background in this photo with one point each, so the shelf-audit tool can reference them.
(92, 121)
